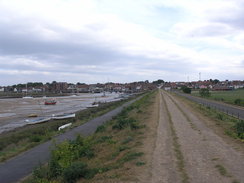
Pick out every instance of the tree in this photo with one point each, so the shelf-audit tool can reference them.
(186, 89)
(215, 81)
(204, 92)
(159, 81)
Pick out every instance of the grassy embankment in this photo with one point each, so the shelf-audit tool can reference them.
(112, 154)
(14, 142)
(232, 126)
(235, 97)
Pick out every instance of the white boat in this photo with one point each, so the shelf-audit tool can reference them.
(92, 105)
(63, 116)
(64, 126)
(27, 97)
(37, 120)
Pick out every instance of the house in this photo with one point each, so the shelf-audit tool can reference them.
(82, 88)
(203, 87)
(1, 89)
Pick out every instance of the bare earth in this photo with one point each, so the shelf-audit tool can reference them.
(206, 156)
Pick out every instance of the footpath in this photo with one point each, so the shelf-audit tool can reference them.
(22, 165)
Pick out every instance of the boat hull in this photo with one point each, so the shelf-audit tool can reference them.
(64, 116)
(38, 120)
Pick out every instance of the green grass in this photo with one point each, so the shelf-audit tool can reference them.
(14, 142)
(101, 155)
(226, 96)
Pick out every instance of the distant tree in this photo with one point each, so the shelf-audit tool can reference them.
(204, 92)
(186, 89)
(159, 81)
(215, 81)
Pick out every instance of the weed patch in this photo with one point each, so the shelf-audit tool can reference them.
(222, 170)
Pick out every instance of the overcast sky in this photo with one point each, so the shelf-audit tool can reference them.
(120, 40)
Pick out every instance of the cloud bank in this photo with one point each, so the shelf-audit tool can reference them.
(120, 41)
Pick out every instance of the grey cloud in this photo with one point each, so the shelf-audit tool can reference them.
(212, 30)
(68, 50)
(233, 17)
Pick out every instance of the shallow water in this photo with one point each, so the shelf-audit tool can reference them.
(14, 112)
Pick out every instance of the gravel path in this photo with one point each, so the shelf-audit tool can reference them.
(17, 168)
(164, 162)
(207, 157)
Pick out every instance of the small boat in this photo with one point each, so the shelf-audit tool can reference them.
(50, 102)
(94, 104)
(32, 115)
(37, 120)
(26, 97)
(64, 126)
(63, 116)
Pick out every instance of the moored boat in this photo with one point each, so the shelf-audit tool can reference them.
(32, 115)
(50, 102)
(37, 120)
(64, 116)
(64, 126)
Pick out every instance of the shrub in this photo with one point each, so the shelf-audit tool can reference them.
(204, 92)
(122, 123)
(240, 129)
(134, 126)
(237, 101)
(186, 89)
(101, 128)
(75, 171)
(40, 172)
(104, 139)
(35, 138)
(220, 116)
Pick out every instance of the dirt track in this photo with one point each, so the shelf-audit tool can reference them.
(187, 150)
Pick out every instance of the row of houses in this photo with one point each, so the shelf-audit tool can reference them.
(210, 84)
(64, 87)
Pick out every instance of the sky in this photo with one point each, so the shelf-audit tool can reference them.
(98, 41)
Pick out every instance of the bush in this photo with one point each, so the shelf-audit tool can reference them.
(237, 101)
(40, 172)
(204, 92)
(101, 128)
(220, 116)
(186, 89)
(75, 171)
(122, 123)
(240, 129)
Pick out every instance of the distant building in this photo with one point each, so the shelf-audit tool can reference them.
(82, 88)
